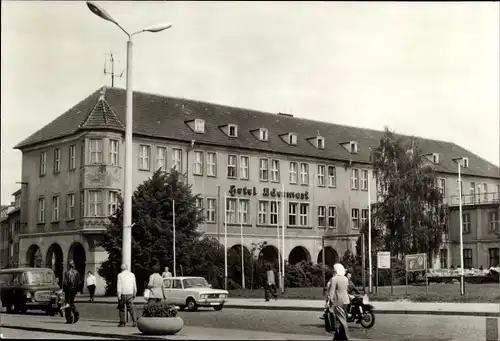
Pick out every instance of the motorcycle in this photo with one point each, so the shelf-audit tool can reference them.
(360, 311)
(58, 306)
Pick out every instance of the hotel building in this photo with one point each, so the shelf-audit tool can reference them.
(73, 171)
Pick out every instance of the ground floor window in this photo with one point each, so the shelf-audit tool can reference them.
(494, 256)
(443, 258)
(467, 258)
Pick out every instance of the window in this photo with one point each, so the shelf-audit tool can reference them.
(199, 203)
(472, 191)
(465, 162)
(435, 158)
(442, 186)
(113, 152)
(353, 147)
(485, 190)
(211, 164)
(211, 204)
(112, 202)
(41, 210)
(177, 159)
(72, 157)
(292, 139)
(199, 126)
(292, 213)
(332, 176)
(494, 257)
(144, 157)
(364, 180)
(263, 134)
(232, 130)
(443, 258)
(95, 204)
(95, 151)
(493, 221)
(263, 210)
(304, 173)
(275, 170)
(321, 143)
(243, 211)
(231, 211)
(264, 169)
(332, 217)
(364, 217)
(55, 208)
(354, 178)
(321, 216)
(467, 258)
(57, 160)
(466, 222)
(304, 214)
(478, 192)
(321, 175)
(231, 166)
(198, 163)
(244, 168)
(70, 206)
(43, 163)
(355, 218)
(161, 158)
(293, 172)
(82, 203)
(274, 215)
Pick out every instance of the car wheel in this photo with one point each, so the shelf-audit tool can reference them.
(218, 307)
(191, 304)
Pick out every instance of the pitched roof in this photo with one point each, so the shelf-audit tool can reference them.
(166, 117)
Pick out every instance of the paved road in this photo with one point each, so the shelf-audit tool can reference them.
(387, 327)
(25, 334)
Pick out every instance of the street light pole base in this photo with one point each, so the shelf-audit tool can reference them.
(462, 285)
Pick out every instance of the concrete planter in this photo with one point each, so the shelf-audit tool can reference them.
(160, 325)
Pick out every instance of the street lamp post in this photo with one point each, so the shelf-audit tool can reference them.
(462, 286)
(127, 193)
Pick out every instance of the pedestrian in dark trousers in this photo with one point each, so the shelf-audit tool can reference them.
(91, 285)
(270, 287)
(71, 285)
(126, 290)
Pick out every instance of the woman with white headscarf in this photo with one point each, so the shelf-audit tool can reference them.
(338, 299)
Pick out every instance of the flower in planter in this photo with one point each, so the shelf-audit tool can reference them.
(160, 309)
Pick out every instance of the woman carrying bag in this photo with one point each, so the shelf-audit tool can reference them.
(155, 292)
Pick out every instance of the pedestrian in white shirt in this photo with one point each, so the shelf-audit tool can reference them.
(126, 291)
(91, 285)
(166, 273)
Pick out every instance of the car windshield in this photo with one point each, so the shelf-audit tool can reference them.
(195, 282)
(41, 277)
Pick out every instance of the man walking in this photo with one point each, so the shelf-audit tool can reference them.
(91, 285)
(166, 273)
(126, 290)
(71, 286)
(270, 287)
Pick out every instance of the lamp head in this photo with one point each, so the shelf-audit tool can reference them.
(99, 11)
(157, 28)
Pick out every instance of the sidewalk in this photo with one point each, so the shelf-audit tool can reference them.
(398, 307)
(92, 328)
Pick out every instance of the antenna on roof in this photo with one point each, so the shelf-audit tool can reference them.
(111, 60)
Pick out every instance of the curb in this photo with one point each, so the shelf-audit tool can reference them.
(317, 309)
(83, 333)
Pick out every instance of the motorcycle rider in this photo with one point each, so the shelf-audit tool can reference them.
(351, 290)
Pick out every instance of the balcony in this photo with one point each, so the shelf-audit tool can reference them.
(476, 199)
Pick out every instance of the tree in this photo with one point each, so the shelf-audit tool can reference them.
(409, 213)
(152, 234)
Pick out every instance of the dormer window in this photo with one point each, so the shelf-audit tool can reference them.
(435, 158)
(292, 139)
(465, 162)
(353, 147)
(199, 126)
(232, 130)
(320, 142)
(263, 134)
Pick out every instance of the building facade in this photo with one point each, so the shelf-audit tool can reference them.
(312, 177)
(10, 228)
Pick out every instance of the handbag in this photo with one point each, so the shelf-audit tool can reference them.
(146, 294)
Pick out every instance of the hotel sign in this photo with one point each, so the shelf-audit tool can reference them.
(267, 192)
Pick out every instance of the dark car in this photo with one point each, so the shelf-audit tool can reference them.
(27, 288)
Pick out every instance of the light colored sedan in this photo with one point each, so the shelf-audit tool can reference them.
(193, 292)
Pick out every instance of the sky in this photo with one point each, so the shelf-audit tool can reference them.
(428, 69)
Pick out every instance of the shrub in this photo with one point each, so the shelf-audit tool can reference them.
(159, 309)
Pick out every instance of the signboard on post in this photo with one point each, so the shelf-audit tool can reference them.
(417, 262)
(384, 260)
